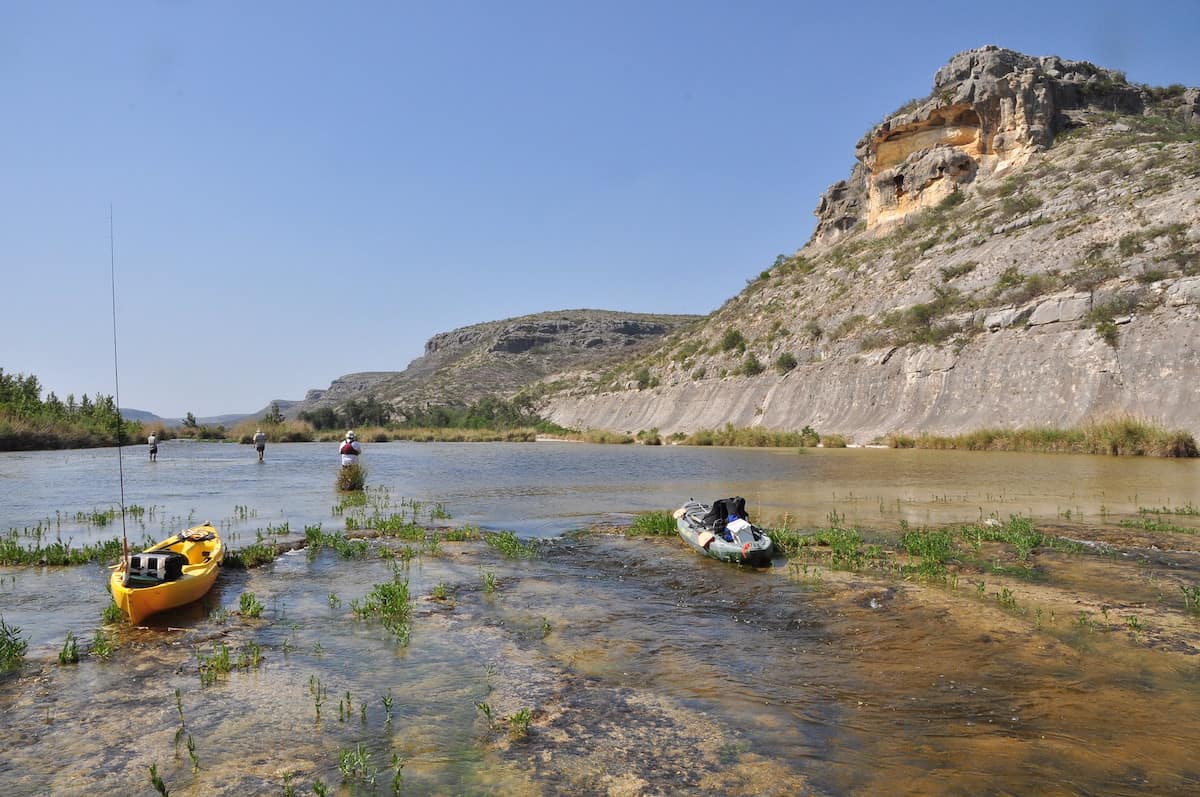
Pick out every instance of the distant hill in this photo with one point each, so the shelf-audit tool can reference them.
(212, 420)
(503, 357)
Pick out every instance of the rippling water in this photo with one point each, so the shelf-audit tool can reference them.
(645, 669)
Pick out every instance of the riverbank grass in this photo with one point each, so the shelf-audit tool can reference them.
(653, 524)
(1121, 436)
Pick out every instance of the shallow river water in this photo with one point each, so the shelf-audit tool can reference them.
(634, 666)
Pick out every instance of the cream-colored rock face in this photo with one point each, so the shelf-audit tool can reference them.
(959, 127)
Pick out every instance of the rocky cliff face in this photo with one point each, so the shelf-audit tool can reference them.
(502, 357)
(990, 110)
(1020, 248)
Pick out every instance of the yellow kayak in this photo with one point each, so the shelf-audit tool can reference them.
(171, 573)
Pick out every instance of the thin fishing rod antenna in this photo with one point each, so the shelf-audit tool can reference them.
(112, 274)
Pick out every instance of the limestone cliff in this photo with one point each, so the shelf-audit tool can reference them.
(1022, 247)
(990, 110)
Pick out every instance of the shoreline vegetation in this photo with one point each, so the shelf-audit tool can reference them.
(29, 423)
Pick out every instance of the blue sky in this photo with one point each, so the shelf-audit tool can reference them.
(304, 190)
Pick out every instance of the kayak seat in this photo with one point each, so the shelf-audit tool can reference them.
(722, 509)
(156, 567)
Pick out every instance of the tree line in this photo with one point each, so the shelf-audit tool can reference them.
(489, 412)
(29, 422)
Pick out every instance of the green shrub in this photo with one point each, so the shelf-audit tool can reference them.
(249, 605)
(352, 478)
(785, 362)
(12, 647)
(960, 270)
(751, 365)
(649, 437)
(733, 339)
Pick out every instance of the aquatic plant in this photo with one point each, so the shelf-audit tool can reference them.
(318, 693)
(391, 603)
(215, 664)
(1187, 509)
(649, 524)
(345, 547)
(12, 647)
(355, 765)
(440, 591)
(388, 700)
(1153, 524)
(191, 748)
(397, 773)
(57, 553)
(1191, 598)
(486, 709)
(936, 545)
(112, 613)
(489, 581)
(463, 533)
(250, 657)
(157, 782)
(352, 478)
(507, 543)
(518, 723)
(253, 555)
(249, 605)
(70, 650)
(102, 644)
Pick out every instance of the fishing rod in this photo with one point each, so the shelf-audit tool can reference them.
(112, 273)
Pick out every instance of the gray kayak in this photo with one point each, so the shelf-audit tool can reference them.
(750, 546)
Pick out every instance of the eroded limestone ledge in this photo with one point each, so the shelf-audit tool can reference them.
(989, 111)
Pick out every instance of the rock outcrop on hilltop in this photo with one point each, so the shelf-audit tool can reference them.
(990, 110)
(503, 357)
(1020, 248)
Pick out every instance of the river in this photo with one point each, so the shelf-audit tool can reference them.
(638, 667)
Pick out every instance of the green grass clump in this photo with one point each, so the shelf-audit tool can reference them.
(345, 547)
(936, 545)
(253, 555)
(508, 544)
(12, 647)
(111, 613)
(390, 603)
(57, 553)
(652, 524)
(352, 478)
(249, 605)
(215, 664)
(69, 654)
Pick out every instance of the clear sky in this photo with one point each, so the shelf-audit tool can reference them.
(302, 190)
